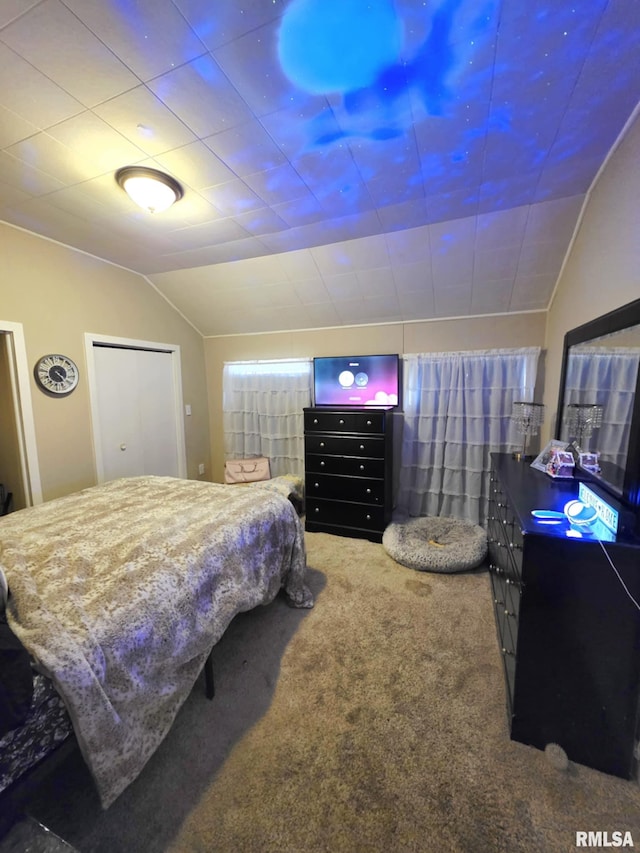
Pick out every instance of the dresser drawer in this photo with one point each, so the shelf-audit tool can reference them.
(507, 629)
(332, 421)
(345, 514)
(505, 543)
(346, 465)
(338, 487)
(345, 445)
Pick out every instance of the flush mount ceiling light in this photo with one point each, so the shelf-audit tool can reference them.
(152, 190)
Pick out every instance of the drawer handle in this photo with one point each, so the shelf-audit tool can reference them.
(317, 509)
(507, 652)
(322, 464)
(322, 444)
(498, 602)
(509, 613)
(368, 517)
(368, 423)
(362, 467)
(316, 485)
(315, 420)
(341, 421)
(362, 447)
(368, 491)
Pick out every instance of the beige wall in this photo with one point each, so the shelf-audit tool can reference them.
(59, 294)
(603, 268)
(516, 330)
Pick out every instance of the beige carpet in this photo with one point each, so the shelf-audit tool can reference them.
(374, 722)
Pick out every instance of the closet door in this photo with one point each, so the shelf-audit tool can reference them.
(136, 404)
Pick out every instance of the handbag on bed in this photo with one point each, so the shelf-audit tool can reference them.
(247, 470)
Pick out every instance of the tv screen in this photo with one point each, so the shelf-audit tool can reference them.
(363, 380)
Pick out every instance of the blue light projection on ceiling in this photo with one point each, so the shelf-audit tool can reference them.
(330, 46)
(367, 54)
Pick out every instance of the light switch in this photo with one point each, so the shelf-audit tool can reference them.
(187, 409)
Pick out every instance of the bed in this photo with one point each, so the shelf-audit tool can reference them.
(120, 591)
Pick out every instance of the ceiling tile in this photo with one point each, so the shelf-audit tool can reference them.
(299, 265)
(230, 21)
(149, 36)
(201, 96)
(30, 94)
(246, 149)
(492, 297)
(196, 165)
(13, 128)
(311, 291)
(259, 82)
(12, 9)
(342, 287)
(145, 121)
(495, 264)
(100, 146)
(48, 155)
(261, 221)
(413, 278)
(232, 197)
(53, 40)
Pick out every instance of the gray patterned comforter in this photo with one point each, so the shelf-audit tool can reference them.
(121, 590)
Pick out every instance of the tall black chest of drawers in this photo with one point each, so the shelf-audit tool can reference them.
(568, 632)
(348, 470)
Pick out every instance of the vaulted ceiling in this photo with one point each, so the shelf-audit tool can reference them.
(343, 161)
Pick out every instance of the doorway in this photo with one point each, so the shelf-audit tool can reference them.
(20, 471)
(135, 389)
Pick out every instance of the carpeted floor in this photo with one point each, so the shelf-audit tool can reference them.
(374, 722)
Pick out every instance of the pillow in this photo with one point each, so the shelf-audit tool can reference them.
(16, 677)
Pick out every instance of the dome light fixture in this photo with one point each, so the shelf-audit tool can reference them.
(152, 190)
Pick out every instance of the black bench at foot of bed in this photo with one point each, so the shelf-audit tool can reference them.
(35, 748)
(46, 735)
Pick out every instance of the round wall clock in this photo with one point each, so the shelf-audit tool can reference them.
(56, 374)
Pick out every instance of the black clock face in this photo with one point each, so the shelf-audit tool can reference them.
(56, 374)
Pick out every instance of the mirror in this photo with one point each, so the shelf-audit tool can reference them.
(599, 400)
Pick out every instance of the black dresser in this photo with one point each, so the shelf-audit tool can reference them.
(568, 633)
(348, 470)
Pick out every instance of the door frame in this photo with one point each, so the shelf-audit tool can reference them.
(20, 378)
(90, 339)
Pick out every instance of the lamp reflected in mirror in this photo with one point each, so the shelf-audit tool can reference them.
(528, 418)
(582, 420)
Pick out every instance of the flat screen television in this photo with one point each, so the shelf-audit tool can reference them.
(360, 380)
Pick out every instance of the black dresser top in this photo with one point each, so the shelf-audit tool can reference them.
(529, 489)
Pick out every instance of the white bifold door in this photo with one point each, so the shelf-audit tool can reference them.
(137, 405)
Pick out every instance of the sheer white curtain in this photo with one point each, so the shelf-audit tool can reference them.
(457, 410)
(262, 406)
(607, 377)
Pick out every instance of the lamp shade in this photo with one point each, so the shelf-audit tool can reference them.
(150, 189)
(527, 418)
(583, 419)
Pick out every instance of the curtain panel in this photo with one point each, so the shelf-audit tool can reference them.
(262, 405)
(607, 377)
(457, 411)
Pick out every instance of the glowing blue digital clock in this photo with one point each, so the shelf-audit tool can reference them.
(606, 513)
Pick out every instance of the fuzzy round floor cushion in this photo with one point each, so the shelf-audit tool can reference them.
(436, 544)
